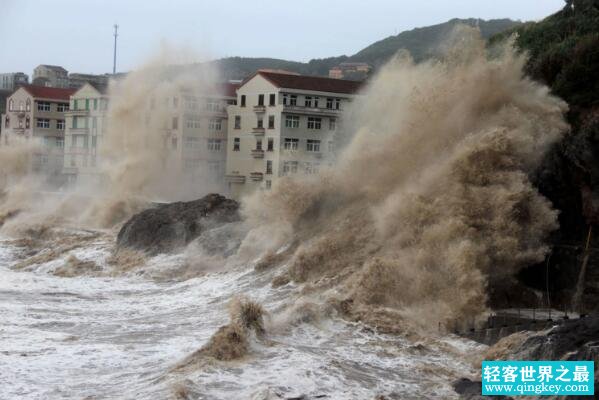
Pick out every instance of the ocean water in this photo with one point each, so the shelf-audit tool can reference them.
(119, 337)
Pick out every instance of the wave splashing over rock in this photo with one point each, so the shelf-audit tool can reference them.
(431, 197)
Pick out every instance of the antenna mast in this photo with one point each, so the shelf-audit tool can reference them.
(116, 29)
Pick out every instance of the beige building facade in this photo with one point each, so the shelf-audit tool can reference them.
(85, 128)
(37, 114)
(283, 124)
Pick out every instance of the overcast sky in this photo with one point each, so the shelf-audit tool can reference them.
(77, 34)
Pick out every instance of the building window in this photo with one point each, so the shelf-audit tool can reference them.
(44, 159)
(62, 107)
(313, 145)
(95, 104)
(337, 103)
(268, 184)
(332, 124)
(271, 122)
(43, 106)
(291, 144)
(174, 143)
(237, 122)
(312, 168)
(316, 102)
(175, 102)
(192, 142)
(43, 123)
(331, 147)
(260, 99)
(212, 105)
(308, 101)
(175, 123)
(28, 105)
(293, 100)
(94, 141)
(11, 105)
(6, 122)
(289, 167)
(270, 145)
(60, 142)
(192, 123)
(260, 123)
(214, 144)
(215, 124)
(236, 144)
(242, 100)
(292, 121)
(330, 103)
(75, 104)
(191, 103)
(268, 167)
(27, 122)
(60, 124)
(271, 99)
(259, 144)
(314, 123)
(95, 123)
(87, 104)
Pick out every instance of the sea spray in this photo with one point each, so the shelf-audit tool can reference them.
(430, 199)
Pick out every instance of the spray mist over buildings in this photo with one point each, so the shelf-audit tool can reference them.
(431, 197)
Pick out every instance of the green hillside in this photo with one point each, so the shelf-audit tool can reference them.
(421, 42)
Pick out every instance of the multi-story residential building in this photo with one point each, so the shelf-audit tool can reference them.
(50, 75)
(350, 70)
(85, 128)
(12, 80)
(78, 80)
(196, 131)
(283, 124)
(38, 114)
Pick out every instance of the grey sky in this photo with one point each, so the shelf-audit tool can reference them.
(77, 34)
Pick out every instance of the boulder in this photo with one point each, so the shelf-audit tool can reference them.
(167, 227)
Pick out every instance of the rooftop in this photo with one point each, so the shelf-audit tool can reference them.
(303, 82)
(44, 92)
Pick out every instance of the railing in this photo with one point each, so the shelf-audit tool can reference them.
(260, 108)
(258, 153)
(235, 178)
(311, 110)
(259, 130)
(256, 176)
(501, 323)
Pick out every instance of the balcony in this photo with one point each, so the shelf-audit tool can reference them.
(258, 131)
(316, 154)
(19, 131)
(317, 111)
(260, 109)
(256, 176)
(235, 178)
(257, 153)
(78, 113)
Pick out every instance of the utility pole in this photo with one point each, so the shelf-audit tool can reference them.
(116, 29)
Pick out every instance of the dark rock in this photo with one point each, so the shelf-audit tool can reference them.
(576, 339)
(167, 227)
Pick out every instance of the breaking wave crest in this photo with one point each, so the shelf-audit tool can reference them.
(431, 196)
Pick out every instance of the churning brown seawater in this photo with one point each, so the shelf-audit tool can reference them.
(351, 270)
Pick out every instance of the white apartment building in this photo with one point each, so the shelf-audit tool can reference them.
(85, 128)
(50, 75)
(282, 124)
(37, 113)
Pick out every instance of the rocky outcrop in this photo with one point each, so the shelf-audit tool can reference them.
(571, 340)
(167, 227)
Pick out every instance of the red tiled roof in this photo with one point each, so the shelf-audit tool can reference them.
(44, 92)
(229, 89)
(303, 82)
